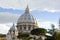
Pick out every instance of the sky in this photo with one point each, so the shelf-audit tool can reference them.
(46, 12)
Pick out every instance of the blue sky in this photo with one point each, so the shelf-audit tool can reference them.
(46, 12)
(44, 15)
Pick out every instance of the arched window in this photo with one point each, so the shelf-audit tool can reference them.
(24, 27)
(20, 27)
(29, 28)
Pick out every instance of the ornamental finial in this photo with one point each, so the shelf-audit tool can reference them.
(27, 9)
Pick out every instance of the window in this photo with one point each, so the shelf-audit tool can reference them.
(29, 28)
(13, 30)
(20, 27)
(24, 27)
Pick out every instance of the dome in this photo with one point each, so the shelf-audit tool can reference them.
(26, 17)
(26, 22)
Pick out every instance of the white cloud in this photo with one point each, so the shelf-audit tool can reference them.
(51, 10)
(15, 4)
(3, 28)
(6, 21)
(47, 24)
(33, 4)
(6, 17)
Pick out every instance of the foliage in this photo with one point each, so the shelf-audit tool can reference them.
(24, 36)
(20, 35)
(38, 31)
(56, 36)
(51, 31)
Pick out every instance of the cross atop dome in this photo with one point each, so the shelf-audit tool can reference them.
(27, 9)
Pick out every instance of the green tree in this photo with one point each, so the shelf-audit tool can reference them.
(39, 31)
(51, 31)
(24, 36)
(56, 36)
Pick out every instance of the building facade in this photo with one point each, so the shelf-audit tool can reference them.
(25, 24)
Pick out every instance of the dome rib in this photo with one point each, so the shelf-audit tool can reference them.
(26, 18)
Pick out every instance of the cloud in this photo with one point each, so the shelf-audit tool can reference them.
(50, 10)
(47, 24)
(6, 21)
(4, 29)
(33, 4)
(6, 17)
(15, 4)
